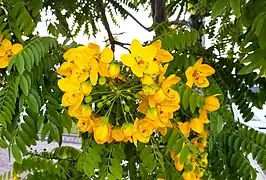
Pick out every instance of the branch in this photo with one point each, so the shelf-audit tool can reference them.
(179, 22)
(106, 24)
(122, 45)
(135, 19)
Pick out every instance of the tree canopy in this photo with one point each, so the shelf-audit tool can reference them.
(201, 82)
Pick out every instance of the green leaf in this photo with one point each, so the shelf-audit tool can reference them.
(111, 177)
(20, 64)
(3, 121)
(218, 7)
(88, 168)
(45, 130)
(16, 153)
(178, 146)
(193, 101)
(24, 85)
(3, 144)
(185, 98)
(115, 171)
(33, 104)
(11, 63)
(235, 5)
(249, 68)
(171, 142)
(55, 132)
(262, 37)
(184, 154)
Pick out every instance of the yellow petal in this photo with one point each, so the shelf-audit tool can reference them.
(162, 130)
(107, 55)
(16, 48)
(2, 52)
(117, 134)
(6, 44)
(68, 84)
(152, 113)
(137, 70)
(93, 77)
(205, 70)
(94, 48)
(157, 44)
(202, 82)
(86, 111)
(198, 63)
(203, 114)
(135, 48)
(184, 128)
(153, 68)
(66, 69)
(197, 125)
(86, 88)
(4, 61)
(170, 81)
(164, 56)
(103, 69)
(128, 60)
(148, 53)
(159, 96)
(113, 70)
(211, 103)
(148, 80)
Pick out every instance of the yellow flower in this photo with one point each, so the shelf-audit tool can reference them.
(80, 56)
(69, 84)
(141, 60)
(102, 131)
(86, 88)
(162, 55)
(80, 74)
(117, 134)
(170, 105)
(147, 79)
(212, 103)
(99, 62)
(66, 69)
(197, 125)
(7, 51)
(197, 74)
(184, 128)
(85, 124)
(127, 129)
(142, 130)
(203, 162)
(114, 70)
(72, 99)
(149, 90)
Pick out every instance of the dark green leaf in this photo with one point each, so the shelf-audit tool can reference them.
(33, 104)
(184, 154)
(20, 64)
(193, 101)
(24, 85)
(218, 7)
(235, 5)
(186, 98)
(16, 153)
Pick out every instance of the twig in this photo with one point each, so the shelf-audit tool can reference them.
(135, 19)
(179, 22)
(106, 24)
(181, 10)
(122, 45)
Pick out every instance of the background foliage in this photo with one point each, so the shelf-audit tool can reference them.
(30, 107)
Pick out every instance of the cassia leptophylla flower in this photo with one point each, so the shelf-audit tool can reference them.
(7, 50)
(141, 60)
(85, 125)
(102, 130)
(198, 74)
(143, 129)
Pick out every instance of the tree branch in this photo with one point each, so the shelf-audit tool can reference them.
(135, 19)
(179, 22)
(106, 24)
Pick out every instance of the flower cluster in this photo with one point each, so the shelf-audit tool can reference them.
(194, 129)
(126, 102)
(7, 50)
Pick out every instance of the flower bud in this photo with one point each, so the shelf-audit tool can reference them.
(100, 104)
(114, 70)
(152, 113)
(104, 97)
(86, 110)
(102, 80)
(108, 103)
(127, 109)
(86, 88)
(88, 99)
(127, 129)
(128, 98)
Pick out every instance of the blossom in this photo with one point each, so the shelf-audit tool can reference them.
(73, 99)
(197, 74)
(142, 130)
(117, 134)
(141, 59)
(102, 131)
(211, 103)
(69, 84)
(127, 129)
(7, 50)
(85, 124)
(113, 70)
